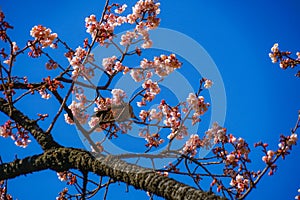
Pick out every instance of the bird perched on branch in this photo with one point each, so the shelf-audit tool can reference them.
(116, 113)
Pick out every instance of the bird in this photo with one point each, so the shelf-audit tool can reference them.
(116, 113)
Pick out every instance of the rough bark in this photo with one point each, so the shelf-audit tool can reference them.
(62, 159)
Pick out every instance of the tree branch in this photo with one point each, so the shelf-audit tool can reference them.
(63, 159)
(45, 140)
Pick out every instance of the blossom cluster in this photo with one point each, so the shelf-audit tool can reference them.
(145, 7)
(144, 13)
(153, 140)
(240, 182)
(151, 90)
(141, 7)
(3, 189)
(169, 117)
(198, 105)
(172, 119)
(67, 176)
(164, 65)
(51, 85)
(231, 159)
(78, 111)
(234, 161)
(274, 53)
(103, 30)
(44, 94)
(94, 122)
(120, 9)
(212, 136)
(153, 114)
(268, 157)
(161, 66)
(128, 37)
(76, 61)
(62, 194)
(144, 16)
(102, 104)
(112, 65)
(43, 35)
(21, 136)
(284, 57)
(140, 28)
(78, 108)
(191, 145)
(9, 59)
(239, 154)
(288, 142)
(285, 145)
(118, 96)
(98, 31)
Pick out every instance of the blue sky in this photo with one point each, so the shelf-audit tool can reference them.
(262, 101)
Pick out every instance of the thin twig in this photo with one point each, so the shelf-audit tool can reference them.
(63, 104)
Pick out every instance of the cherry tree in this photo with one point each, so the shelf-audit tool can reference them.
(111, 112)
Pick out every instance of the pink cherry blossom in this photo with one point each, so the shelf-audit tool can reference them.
(118, 96)
(108, 64)
(191, 145)
(44, 94)
(43, 35)
(268, 158)
(121, 9)
(78, 112)
(208, 83)
(15, 47)
(230, 159)
(143, 115)
(127, 38)
(137, 75)
(94, 121)
(155, 115)
(292, 140)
